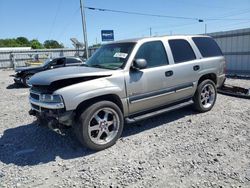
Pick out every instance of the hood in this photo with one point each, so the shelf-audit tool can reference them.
(24, 69)
(66, 73)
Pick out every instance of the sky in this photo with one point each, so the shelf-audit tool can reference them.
(61, 19)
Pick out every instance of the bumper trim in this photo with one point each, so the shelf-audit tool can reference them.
(52, 106)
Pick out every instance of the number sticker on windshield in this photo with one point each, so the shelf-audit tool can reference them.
(121, 55)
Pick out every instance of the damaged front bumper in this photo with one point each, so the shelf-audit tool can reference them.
(17, 79)
(56, 120)
(50, 114)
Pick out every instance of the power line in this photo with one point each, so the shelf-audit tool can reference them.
(69, 22)
(162, 16)
(141, 14)
(53, 23)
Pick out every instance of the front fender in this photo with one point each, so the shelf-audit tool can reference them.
(75, 94)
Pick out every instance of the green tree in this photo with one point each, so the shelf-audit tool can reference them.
(52, 44)
(8, 43)
(23, 41)
(35, 44)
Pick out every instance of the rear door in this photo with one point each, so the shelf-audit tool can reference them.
(185, 65)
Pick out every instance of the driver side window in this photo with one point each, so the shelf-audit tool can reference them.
(154, 53)
(58, 62)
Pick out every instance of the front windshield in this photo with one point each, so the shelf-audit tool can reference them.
(111, 56)
(46, 62)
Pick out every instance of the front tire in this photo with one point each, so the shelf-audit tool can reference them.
(205, 96)
(26, 80)
(100, 125)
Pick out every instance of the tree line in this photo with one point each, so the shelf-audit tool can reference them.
(34, 43)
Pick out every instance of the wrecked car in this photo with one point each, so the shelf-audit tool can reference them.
(128, 81)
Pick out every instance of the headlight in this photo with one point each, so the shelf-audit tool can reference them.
(51, 98)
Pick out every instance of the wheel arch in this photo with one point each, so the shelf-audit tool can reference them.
(210, 76)
(108, 97)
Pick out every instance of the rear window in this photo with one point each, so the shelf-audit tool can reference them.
(181, 50)
(207, 46)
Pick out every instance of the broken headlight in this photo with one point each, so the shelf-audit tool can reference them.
(51, 98)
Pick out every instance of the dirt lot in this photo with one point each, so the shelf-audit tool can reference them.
(178, 149)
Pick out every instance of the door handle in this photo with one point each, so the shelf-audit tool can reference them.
(169, 73)
(196, 67)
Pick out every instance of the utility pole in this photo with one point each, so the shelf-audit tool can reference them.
(84, 29)
(150, 31)
(205, 28)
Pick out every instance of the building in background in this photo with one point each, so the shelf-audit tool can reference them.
(235, 45)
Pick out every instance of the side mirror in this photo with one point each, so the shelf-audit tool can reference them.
(139, 64)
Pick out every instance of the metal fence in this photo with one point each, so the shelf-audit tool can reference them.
(12, 59)
(236, 47)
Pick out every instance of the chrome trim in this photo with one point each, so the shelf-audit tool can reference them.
(172, 91)
(183, 89)
(41, 104)
(46, 105)
(152, 97)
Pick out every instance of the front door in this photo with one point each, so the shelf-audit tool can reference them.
(146, 88)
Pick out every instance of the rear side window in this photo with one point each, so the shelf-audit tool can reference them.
(207, 46)
(154, 53)
(72, 60)
(181, 50)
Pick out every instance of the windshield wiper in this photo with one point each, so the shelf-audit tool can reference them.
(85, 65)
(98, 66)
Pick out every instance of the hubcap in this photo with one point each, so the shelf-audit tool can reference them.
(27, 81)
(207, 97)
(103, 126)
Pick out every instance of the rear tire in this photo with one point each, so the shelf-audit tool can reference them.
(100, 125)
(205, 96)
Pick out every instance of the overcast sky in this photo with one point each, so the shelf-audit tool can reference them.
(61, 19)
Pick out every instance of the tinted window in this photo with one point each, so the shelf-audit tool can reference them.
(207, 46)
(72, 60)
(58, 62)
(181, 50)
(154, 53)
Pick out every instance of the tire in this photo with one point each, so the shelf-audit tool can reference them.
(26, 80)
(205, 96)
(100, 125)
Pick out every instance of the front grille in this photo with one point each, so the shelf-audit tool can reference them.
(35, 107)
(35, 96)
(41, 89)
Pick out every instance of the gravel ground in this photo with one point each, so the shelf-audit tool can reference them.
(177, 149)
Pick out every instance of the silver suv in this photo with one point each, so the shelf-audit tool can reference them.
(128, 81)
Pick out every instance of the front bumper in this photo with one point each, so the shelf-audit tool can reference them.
(54, 119)
(17, 79)
(51, 114)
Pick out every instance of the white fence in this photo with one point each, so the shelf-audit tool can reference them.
(10, 59)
